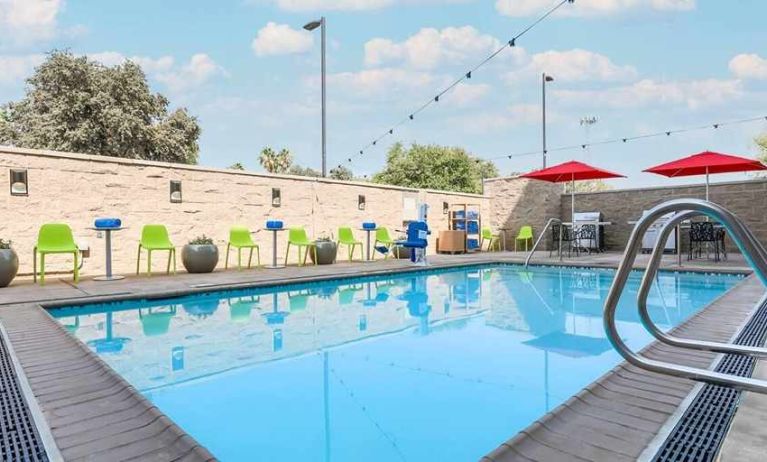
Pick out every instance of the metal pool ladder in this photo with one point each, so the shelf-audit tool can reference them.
(750, 247)
(543, 236)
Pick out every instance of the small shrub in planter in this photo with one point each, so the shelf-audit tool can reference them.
(401, 252)
(200, 255)
(326, 251)
(9, 263)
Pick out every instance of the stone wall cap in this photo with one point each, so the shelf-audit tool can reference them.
(198, 168)
(657, 188)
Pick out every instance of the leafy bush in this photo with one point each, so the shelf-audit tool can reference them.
(5, 244)
(201, 240)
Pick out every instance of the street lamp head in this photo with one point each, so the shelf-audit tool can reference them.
(313, 25)
(549, 78)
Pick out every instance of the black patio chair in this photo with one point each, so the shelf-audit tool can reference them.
(567, 239)
(588, 234)
(720, 236)
(703, 234)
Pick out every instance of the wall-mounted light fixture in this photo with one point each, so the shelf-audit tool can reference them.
(19, 184)
(276, 197)
(445, 207)
(361, 202)
(175, 191)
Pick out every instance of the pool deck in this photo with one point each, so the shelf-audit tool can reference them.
(93, 414)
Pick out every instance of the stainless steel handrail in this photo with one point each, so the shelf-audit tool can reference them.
(646, 284)
(748, 246)
(542, 236)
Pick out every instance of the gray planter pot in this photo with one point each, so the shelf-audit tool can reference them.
(9, 266)
(401, 252)
(326, 252)
(199, 258)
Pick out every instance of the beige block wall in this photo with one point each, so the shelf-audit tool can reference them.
(76, 189)
(747, 199)
(516, 202)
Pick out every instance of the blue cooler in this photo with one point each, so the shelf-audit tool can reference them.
(105, 223)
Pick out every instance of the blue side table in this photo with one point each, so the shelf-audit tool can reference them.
(274, 264)
(108, 237)
(367, 251)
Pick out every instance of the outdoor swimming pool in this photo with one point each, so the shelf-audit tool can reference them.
(436, 365)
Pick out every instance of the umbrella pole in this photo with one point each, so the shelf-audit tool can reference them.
(706, 183)
(572, 200)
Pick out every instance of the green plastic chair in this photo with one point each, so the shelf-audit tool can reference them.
(239, 311)
(493, 239)
(298, 238)
(383, 237)
(346, 294)
(346, 237)
(156, 322)
(54, 238)
(298, 301)
(526, 235)
(155, 237)
(240, 238)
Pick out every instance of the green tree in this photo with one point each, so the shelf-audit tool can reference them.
(76, 104)
(296, 169)
(236, 166)
(275, 162)
(761, 141)
(589, 186)
(434, 167)
(341, 173)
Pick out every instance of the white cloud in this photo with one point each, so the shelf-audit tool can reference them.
(523, 8)
(749, 66)
(281, 39)
(673, 5)
(14, 69)
(693, 94)
(490, 122)
(314, 5)
(430, 47)
(197, 71)
(575, 65)
(382, 82)
(28, 20)
(464, 94)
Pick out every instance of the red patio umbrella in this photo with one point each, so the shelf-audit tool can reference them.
(571, 171)
(705, 163)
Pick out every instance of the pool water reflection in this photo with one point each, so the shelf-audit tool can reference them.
(439, 365)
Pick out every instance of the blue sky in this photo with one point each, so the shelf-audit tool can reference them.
(251, 75)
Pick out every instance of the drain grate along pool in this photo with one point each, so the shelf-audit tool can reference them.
(19, 439)
(698, 436)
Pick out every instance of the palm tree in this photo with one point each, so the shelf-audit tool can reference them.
(275, 162)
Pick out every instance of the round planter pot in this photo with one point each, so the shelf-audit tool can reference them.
(199, 258)
(401, 252)
(9, 266)
(326, 252)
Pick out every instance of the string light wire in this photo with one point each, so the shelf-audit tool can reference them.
(626, 139)
(466, 76)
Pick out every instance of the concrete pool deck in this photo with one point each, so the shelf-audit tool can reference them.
(94, 414)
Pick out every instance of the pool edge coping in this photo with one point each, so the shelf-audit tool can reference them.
(505, 446)
(45, 306)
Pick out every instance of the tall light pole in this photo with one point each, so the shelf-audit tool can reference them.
(310, 27)
(544, 78)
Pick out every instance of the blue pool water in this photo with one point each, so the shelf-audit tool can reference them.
(438, 365)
